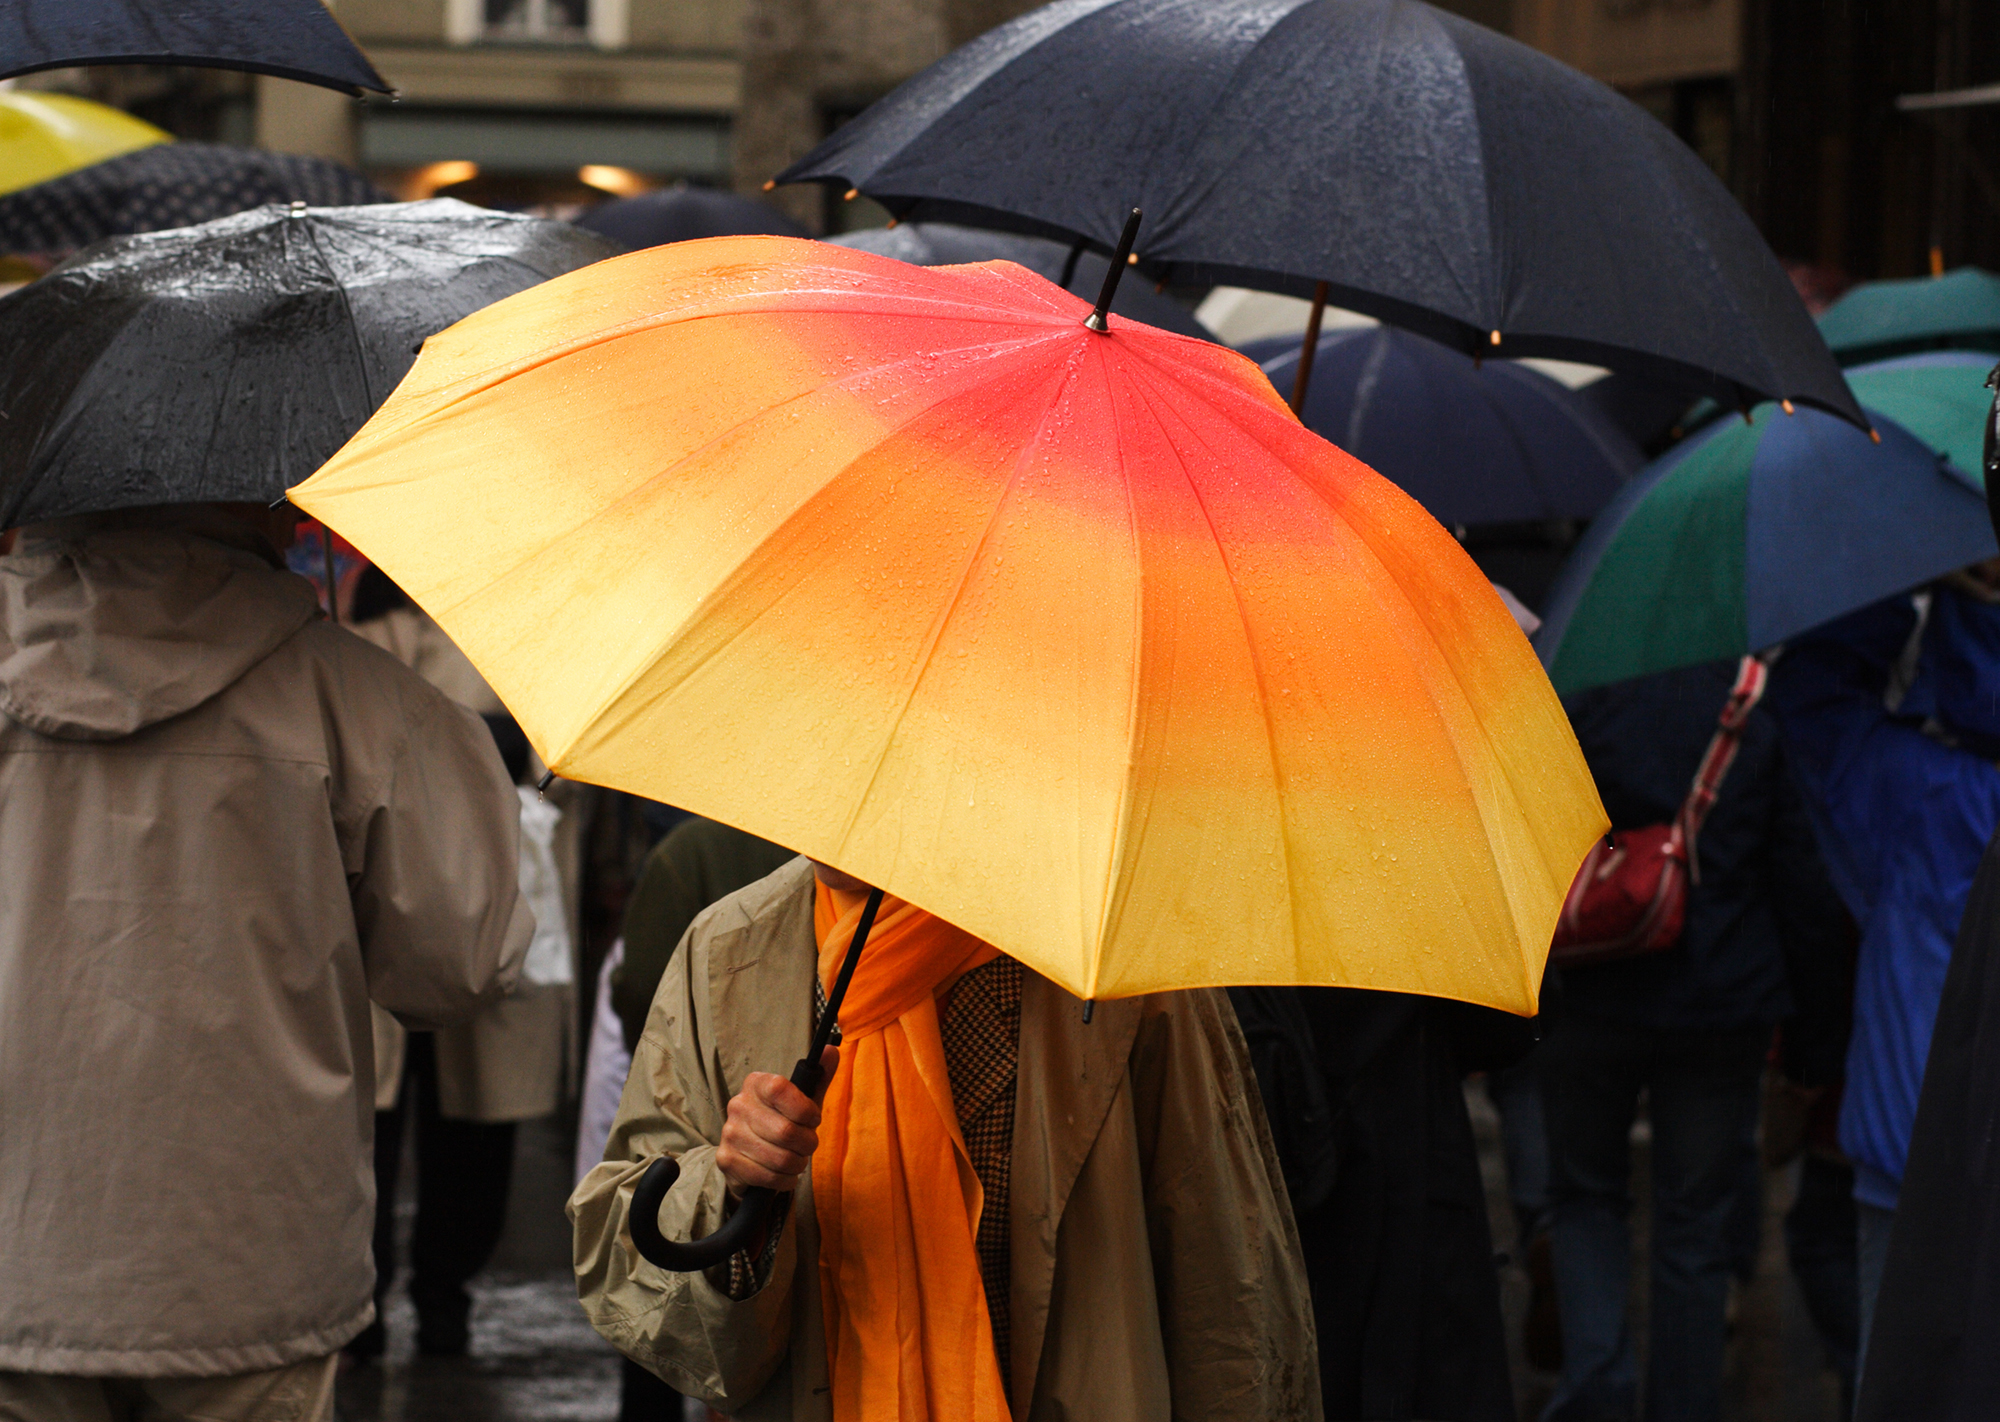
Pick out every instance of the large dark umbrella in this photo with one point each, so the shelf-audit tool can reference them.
(683, 214)
(228, 361)
(942, 244)
(169, 185)
(1474, 443)
(293, 39)
(1426, 170)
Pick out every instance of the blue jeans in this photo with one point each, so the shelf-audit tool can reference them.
(1703, 1094)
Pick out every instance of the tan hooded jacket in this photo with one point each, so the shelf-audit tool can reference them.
(1156, 1268)
(225, 824)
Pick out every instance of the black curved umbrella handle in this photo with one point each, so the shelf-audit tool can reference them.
(743, 1227)
(754, 1208)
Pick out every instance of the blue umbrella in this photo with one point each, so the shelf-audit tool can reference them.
(1473, 442)
(1748, 534)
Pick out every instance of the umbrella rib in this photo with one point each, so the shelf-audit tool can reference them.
(923, 661)
(1146, 395)
(632, 678)
(1334, 511)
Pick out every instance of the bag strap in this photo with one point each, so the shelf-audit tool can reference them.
(1751, 677)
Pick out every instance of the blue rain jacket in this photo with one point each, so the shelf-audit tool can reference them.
(1904, 795)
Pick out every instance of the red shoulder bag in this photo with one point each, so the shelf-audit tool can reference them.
(1630, 896)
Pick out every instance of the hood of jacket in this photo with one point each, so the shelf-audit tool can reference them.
(110, 623)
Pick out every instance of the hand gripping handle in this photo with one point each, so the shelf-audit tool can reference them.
(754, 1208)
(742, 1227)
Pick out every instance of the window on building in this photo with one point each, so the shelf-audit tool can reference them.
(559, 21)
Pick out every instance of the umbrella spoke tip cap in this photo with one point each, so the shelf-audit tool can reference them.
(1786, 406)
(850, 195)
(1875, 434)
(1494, 338)
(770, 184)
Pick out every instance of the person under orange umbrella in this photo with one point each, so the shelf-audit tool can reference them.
(1114, 681)
(1008, 1212)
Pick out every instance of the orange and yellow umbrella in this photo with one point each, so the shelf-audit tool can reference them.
(1079, 641)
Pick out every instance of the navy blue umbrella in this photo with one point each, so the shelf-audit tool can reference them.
(683, 214)
(293, 39)
(1473, 442)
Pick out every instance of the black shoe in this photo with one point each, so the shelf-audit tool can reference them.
(444, 1329)
(368, 1345)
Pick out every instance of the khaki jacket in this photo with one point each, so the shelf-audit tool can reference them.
(1156, 1269)
(509, 1062)
(226, 824)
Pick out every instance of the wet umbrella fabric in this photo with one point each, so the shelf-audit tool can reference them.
(1748, 534)
(943, 244)
(1474, 443)
(685, 214)
(43, 136)
(170, 185)
(1079, 641)
(226, 361)
(1433, 173)
(1883, 318)
(293, 39)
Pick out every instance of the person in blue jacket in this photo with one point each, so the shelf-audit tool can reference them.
(1891, 716)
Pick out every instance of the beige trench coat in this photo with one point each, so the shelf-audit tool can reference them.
(227, 825)
(1156, 1268)
(510, 1062)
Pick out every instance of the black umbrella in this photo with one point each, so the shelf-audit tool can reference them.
(1383, 154)
(293, 39)
(938, 244)
(228, 361)
(682, 214)
(169, 185)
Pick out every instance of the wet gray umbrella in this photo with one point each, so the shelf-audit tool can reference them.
(226, 362)
(938, 244)
(1421, 167)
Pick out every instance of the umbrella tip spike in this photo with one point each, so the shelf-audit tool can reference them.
(1099, 318)
(894, 220)
(1089, 1006)
(770, 184)
(542, 785)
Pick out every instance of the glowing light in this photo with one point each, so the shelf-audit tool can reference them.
(432, 176)
(622, 181)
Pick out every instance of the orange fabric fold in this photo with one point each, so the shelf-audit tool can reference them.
(907, 1333)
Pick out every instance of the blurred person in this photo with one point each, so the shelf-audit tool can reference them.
(460, 1092)
(696, 863)
(1893, 717)
(1689, 1027)
(228, 825)
(1115, 1243)
(1365, 1095)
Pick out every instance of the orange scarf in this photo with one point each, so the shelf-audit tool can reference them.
(907, 1334)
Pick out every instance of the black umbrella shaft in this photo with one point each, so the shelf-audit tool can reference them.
(830, 1018)
(1096, 319)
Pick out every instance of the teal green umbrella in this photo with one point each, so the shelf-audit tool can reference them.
(1881, 318)
(1751, 533)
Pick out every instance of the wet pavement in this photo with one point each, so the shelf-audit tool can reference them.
(535, 1359)
(533, 1356)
